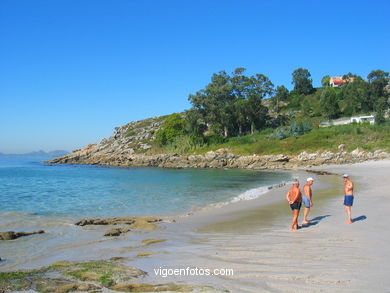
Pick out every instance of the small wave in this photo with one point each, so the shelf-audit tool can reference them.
(256, 192)
(251, 194)
(247, 195)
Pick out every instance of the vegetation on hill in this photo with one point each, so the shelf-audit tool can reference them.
(366, 137)
(249, 115)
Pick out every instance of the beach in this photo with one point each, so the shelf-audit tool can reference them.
(252, 239)
(328, 256)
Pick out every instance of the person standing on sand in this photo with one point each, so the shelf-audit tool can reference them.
(307, 199)
(294, 198)
(348, 197)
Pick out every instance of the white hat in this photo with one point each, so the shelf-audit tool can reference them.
(309, 179)
(345, 175)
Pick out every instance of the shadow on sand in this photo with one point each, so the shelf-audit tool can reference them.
(361, 218)
(315, 221)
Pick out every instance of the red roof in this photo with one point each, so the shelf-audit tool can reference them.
(338, 81)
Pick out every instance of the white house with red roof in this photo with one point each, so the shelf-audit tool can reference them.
(337, 81)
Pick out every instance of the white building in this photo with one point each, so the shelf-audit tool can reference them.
(344, 121)
(362, 119)
(336, 81)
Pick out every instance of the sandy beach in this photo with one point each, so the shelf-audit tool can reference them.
(252, 239)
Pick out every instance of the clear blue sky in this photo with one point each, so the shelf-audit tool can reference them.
(70, 71)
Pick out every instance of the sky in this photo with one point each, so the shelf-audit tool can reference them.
(72, 70)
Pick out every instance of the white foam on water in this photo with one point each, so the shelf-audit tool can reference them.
(251, 193)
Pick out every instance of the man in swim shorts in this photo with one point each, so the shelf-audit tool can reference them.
(348, 197)
(307, 199)
(294, 198)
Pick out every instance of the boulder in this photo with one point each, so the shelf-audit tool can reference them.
(10, 235)
(341, 147)
(211, 155)
(304, 156)
(327, 155)
(357, 153)
(116, 231)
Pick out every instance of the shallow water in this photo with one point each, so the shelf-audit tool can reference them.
(30, 187)
(36, 196)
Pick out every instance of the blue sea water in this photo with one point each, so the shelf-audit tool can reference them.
(29, 186)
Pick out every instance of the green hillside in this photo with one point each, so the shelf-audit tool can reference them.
(249, 115)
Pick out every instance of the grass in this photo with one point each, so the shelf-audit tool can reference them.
(13, 281)
(365, 137)
(6, 276)
(107, 280)
(88, 271)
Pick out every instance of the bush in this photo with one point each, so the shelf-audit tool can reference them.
(184, 144)
(215, 139)
(296, 128)
(280, 133)
(172, 127)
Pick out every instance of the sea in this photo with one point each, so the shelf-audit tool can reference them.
(36, 195)
(30, 186)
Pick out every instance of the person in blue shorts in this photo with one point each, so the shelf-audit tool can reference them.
(307, 199)
(348, 197)
(294, 198)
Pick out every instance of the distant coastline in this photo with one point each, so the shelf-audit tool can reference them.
(37, 154)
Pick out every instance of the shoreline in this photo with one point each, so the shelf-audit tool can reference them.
(92, 235)
(253, 236)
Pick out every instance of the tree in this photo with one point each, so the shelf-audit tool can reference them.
(306, 108)
(380, 108)
(349, 77)
(258, 87)
(241, 109)
(195, 124)
(378, 80)
(356, 96)
(240, 85)
(329, 103)
(281, 95)
(215, 103)
(233, 102)
(325, 81)
(302, 81)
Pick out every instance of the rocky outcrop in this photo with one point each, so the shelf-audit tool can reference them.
(129, 223)
(222, 158)
(128, 145)
(117, 221)
(134, 137)
(10, 235)
(116, 231)
(90, 276)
